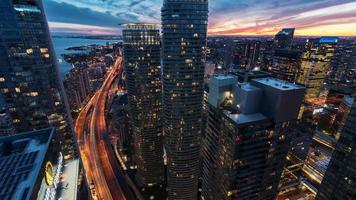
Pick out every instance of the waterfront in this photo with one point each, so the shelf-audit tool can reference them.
(62, 43)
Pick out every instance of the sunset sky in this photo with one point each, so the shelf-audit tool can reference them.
(226, 17)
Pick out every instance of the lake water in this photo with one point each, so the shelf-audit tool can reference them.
(60, 44)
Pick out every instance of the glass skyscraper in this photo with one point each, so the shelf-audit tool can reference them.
(315, 64)
(184, 29)
(29, 78)
(142, 66)
(339, 181)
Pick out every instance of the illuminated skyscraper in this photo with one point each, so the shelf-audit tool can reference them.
(247, 138)
(315, 65)
(339, 182)
(143, 79)
(286, 64)
(29, 75)
(184, 29)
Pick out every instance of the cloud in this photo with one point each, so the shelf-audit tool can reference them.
(239, 17)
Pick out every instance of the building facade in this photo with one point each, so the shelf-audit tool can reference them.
(284, 38)
(316, 61)
(184, 29)
(6, 126)
(77, 87)
(339, 182)
(142, 66)
(286, 64)
(248, 135)
(30, 80)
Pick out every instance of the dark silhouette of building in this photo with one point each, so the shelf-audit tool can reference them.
(284, 38)
(339, 182)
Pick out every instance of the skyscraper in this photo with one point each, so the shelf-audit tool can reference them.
(339, 182)
(143, 79)
(315, 65)
(286, 64)
(184, 29)
(284, 38)
(248, 135)
(29, 76)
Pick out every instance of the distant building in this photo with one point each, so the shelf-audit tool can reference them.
(77, 87)
(184, 38)
(246, 53)
(284, 38)
(286, 64)
(142, 64)
(339, 182)
(316, 61)
(244, 76)
(248, 135)
(29, 77)
(31, 167)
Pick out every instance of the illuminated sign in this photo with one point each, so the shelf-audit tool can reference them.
(49, 174)
(51, 192)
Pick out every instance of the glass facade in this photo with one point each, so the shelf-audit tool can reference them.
(184, 29)
(30, 82)
(316, 61)
(339, 182)
(143, 80)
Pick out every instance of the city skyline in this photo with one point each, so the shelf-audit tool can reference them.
(310, 18)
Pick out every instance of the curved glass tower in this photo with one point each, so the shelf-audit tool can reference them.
(184, 29)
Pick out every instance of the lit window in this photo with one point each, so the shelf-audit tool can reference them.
(43, 50)
(2, 79)
(29, 51)
(17, 90)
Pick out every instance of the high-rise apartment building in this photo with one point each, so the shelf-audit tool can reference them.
(184, 29)
(284, 38)
(339, 182)
(142, 66)
(315, 64)
(247, 139)
(29, 75)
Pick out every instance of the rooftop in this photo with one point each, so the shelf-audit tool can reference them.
(278, 84)
(246, 118)
(21, 159)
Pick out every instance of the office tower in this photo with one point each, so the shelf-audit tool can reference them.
(343, 69)
(143, 80)
(342, 113)
(184, 29)
(31, 167)
(30, 80)
(339, 182)
(249, 130)
(77, 87)
(6, 127)
(286, 64)
(284, 38)
(316, 64)
(246, 53)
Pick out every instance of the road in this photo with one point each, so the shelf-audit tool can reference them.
(100, 164)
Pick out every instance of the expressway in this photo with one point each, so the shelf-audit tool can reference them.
(101, 167)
